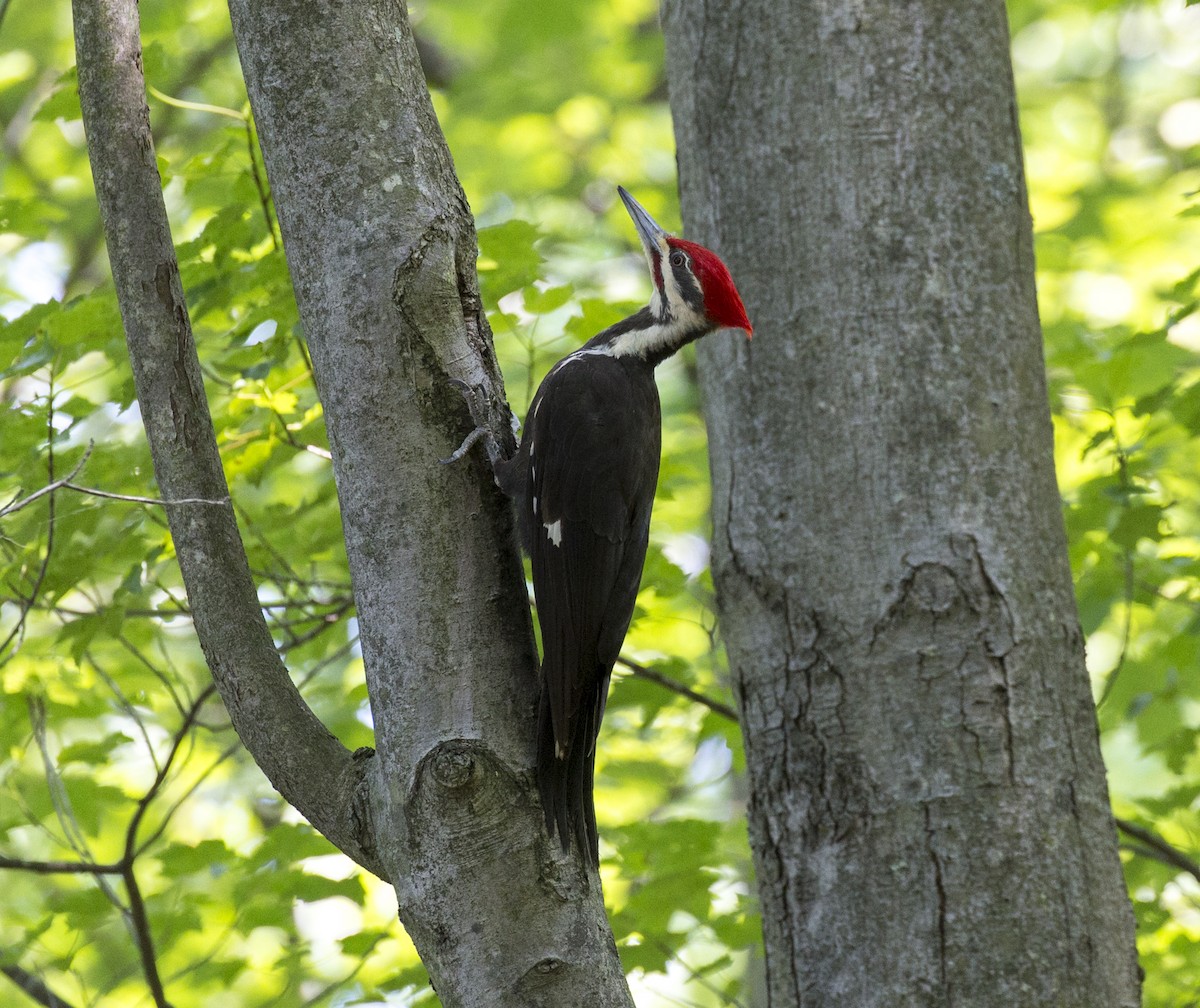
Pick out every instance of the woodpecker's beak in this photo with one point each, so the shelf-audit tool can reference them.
(653, 237)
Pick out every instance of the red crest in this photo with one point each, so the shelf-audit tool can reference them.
(722, 303)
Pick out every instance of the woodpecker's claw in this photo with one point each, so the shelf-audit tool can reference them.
(477, 407)
(478, 434)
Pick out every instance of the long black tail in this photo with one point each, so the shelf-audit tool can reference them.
(565, 783)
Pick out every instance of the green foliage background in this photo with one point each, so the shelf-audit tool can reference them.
(115, 751)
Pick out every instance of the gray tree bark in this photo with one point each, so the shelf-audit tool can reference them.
(929, 815)
(381, 248)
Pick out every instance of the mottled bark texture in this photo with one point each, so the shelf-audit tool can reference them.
(929, 815)
(381, 248)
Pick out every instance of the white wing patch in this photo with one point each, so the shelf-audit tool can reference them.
(554, 532)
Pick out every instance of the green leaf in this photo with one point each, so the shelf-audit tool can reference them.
(79, 634)
(311, 888)
(508, 259)
(84, 908)
(63, 101)
(1137, 522)
(94, 753)
(362, 943)
(542, 302)
(1185, 407)
(210, 855)
(288, 843)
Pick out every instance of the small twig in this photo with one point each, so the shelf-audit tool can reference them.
(1160, 849)
(139, 920)
(66, 483)
(140, 923)
(60, 867)
(260, 183)
(123, 702)
(156, 501)
(155, 671)
(1126, 633)
(1126, 486)
(320, 666)
(226, 754)
(649, 674)
(326, 620)
(34, 987)
(181, 733)
(49, 488)
(18, 630)
(337, 985)
(60, 800)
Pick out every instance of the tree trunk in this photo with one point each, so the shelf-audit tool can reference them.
(928, 815)
(381, 249)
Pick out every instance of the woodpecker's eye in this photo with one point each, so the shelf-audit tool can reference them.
(678, 258)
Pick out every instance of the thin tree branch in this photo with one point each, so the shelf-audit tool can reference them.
(156, 501)
(60, 867)
(335, 602)
(154, 670)
(325, 621)
(1125, 484)
(60, 799)
(294, 749)
(143, 804)
(226, 754)
(140, 924)
(136, 913)
(650, 675)
(50, 487)
(695, 975)
(124, 704)
(18, 629)
(1160, 849)
(259, 172)
(336, 985)
(34, 987)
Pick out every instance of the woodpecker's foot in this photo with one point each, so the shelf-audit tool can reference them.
(477, 435)
(477, 406)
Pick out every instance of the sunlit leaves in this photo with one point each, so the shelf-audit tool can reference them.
(1117, 269)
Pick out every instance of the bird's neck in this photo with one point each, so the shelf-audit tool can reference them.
(649, 335)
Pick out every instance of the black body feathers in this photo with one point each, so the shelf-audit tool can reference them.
(584, 478)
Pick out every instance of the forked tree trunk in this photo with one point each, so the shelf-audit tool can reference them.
(381, 249)
(929, 816)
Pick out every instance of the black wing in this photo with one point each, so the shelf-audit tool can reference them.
(592, 453)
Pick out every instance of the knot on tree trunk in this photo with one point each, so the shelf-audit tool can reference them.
(948, 634)
(464, 797)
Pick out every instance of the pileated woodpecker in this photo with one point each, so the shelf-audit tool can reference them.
(584, 479)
